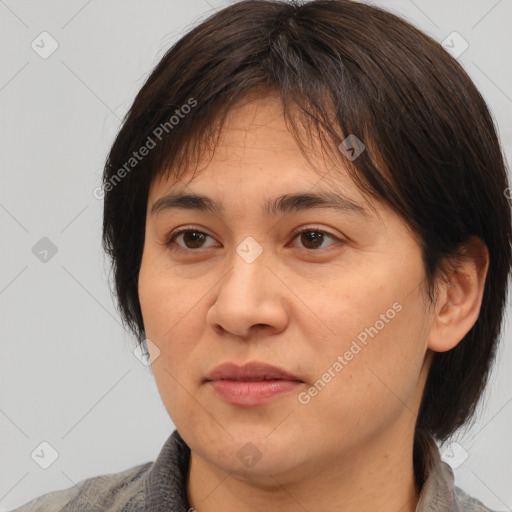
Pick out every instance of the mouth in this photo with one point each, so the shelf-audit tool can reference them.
(252, 384)
(250, 372)
(252, 379)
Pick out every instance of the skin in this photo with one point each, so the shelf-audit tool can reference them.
(297, 306)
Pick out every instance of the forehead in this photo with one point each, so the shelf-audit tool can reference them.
(257, 167)
(256, 148)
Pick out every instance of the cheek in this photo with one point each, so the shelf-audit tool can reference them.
(170, 310)
(376, 366)
(375, 348)
(165, 301)
(169, 327)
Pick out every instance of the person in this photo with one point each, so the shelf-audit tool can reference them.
(306, 217)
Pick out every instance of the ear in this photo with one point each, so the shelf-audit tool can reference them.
(460, 297)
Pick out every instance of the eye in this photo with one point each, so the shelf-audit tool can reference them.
(192, 238)
(313, 237)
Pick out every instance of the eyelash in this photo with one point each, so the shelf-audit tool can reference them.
(311, 229)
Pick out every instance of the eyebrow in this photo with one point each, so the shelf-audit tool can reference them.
(285, 203)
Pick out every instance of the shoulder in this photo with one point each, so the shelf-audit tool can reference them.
(467, 503)
(110, 492)
(439, 492)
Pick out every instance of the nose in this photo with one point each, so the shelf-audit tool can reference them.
(250, 298)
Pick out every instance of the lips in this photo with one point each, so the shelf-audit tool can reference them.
(250, 372)
(252, 384)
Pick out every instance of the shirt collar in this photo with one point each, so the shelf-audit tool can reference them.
(165, 485)
(438, 489)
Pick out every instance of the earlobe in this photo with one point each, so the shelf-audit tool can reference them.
(460, 298)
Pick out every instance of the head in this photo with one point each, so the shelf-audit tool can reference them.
(407, 281)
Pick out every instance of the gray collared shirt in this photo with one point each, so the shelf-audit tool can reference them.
(160, 486)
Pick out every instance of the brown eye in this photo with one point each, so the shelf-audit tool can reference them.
(191, 239)
(312, 239)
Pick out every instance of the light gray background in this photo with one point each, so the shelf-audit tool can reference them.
(67, 372)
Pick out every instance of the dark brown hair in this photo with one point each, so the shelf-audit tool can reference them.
(340, 68)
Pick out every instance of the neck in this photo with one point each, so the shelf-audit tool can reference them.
(378, 475)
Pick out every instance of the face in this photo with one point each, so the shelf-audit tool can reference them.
(331, 295)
